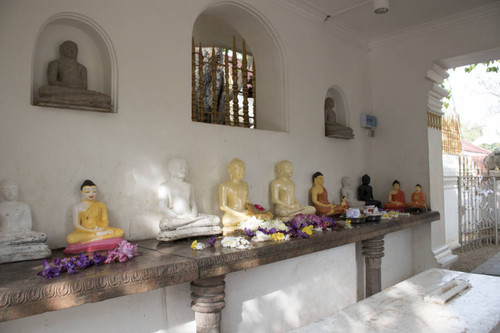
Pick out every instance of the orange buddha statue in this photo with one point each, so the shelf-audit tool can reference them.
(319, 197)
(418, 199)
(396, 198)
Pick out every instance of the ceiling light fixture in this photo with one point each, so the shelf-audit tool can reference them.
(380, 6)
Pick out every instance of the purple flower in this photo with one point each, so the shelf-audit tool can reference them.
(211, 241)
(249, 232)
(49, 271)
(71, 266)
(82, 261)
(99, 259)
(314, 218)
(272, 231)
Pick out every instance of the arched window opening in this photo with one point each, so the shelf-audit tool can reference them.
(223, 85)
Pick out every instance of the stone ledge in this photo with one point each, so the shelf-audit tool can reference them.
(23, 293)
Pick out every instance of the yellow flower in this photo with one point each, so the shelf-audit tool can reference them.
(308, 230)
(193, 244)
(279, 236)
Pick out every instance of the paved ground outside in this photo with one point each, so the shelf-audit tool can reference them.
(485, 260)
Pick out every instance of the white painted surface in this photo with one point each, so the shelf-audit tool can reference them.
(51, 151)
(405, 308)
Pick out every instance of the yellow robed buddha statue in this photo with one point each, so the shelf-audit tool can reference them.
(90, 219)
(233, 199)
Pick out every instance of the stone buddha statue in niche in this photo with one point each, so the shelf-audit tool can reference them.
(332, 128)
(90, 219)
(17, 240)
(177, 204)
(234, 199)
(348, 192)
(283, 194)
(67, 84)
(319, 197)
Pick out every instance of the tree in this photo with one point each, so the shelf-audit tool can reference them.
(471, 133)
(490, 146)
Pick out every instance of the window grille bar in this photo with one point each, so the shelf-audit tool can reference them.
(244, 81)
(201, 106)
(193, 81)
(236, 107)
(226, 89)
(214, 88)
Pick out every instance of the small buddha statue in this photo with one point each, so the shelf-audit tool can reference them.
(396, 198)
(90, 219)
(67, 83)
(418, 199)
(365, 192)
(283, 194)
(234, 199)
(177, 204)
(319, 197)
(332, 128)
(17, 241)
(348, 192)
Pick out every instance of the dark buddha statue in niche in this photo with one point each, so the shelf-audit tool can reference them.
(333, 129)
(67, 84)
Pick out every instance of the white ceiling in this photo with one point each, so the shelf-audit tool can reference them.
(358, 15)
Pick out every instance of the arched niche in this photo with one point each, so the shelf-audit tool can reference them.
(341, 109)
(219, 22)
(95, 52)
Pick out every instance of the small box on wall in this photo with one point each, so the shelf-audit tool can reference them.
(368, 121)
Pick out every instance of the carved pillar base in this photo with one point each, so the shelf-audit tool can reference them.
(373, 250)
(208, 301)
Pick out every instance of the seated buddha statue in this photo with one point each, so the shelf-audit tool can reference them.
(67, 83)
(17, 241)
(396, 198)
(348, 192)
(234, 199)
(90, 219)
(177, 204)
(333, 129)
(319, 197)
(283, 194)
(365, 192)
(418, 199)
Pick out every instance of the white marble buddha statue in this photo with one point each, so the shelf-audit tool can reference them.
(178, 206)
(17, 240)
(283, 194)
(349, 193)
(234, 199)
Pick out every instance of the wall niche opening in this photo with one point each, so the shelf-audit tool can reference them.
(216, 27)
(95, 53)
(336, 113)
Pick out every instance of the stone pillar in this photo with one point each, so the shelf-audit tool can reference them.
(208, 301)
(373, 250)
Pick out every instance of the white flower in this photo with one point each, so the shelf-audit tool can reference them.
(260, 237)
(236, 242)
(200, 246)
(318, 230)
(252, 223)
